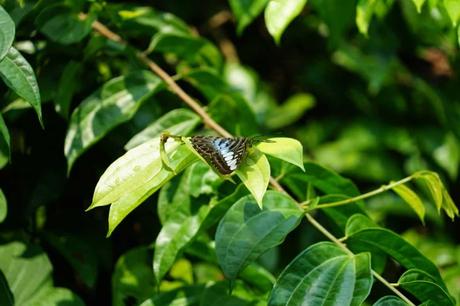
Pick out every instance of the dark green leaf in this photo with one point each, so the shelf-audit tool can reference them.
(133, 277)
(180, 121)
(425, 287)
(114, 103)
(218, 294)
(68, 84)
(20, 77)
(6, 296)
(390, 300)
(79, 253)
(63, 24)
(184, 296)
(190, 48)
(246, 11)
(7, 31)
(246, 231)
(388, 242)
(5, 150)
(324, 274)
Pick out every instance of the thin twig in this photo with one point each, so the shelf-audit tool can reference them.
(208, 121)
(365, 195)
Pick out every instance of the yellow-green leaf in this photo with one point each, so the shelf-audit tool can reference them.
(255, 174)
(412, 199)
(279, 14)
(434, 184)
(453, 10)
(287, 149)
(364, 13)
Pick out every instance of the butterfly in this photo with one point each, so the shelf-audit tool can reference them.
(224, 154)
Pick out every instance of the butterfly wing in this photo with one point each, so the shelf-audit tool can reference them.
(223, 154)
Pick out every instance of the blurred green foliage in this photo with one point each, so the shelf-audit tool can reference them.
(370, 89)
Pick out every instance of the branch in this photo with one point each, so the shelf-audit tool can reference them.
(208, 121)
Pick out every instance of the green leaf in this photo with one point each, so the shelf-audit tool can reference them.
(133, 277)
(328, 182)
(78, 253)
(287, 149)
(62, 24)
(412, 199)
(217, 294)
(5, 146)
(114, 103)
(434, 184)
(255, 174)
(292, 110)
(279, 14)
(193, 49)
(390, 300)
(425, 288)
(6, 296)
(68, 84)
(388, 242)
(246, 231)
(364, 13)
(3, 206)
(228, 107)
(184, 296)
(19, 76)
(28, 270)
(180, 159)
(175, 235)
(419, 4)
(245, 11)
(453, 10)
(179, 121)
(7, 31)
(324, 274)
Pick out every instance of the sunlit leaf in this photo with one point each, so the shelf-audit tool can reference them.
(18, 75)
(287, 149)
(364, 13)
(412, 199)
(180, 121)
(322, 274)
(425, 288)
(434, 184)
(246, 231)
(419, 4)
(133, 277)
(180, 159)
(246, 11)
(279, 14)
(7, 31)
(255, 174)
(114, 103)
(453, 10)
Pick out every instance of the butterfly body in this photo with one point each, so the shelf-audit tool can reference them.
(223, 154)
